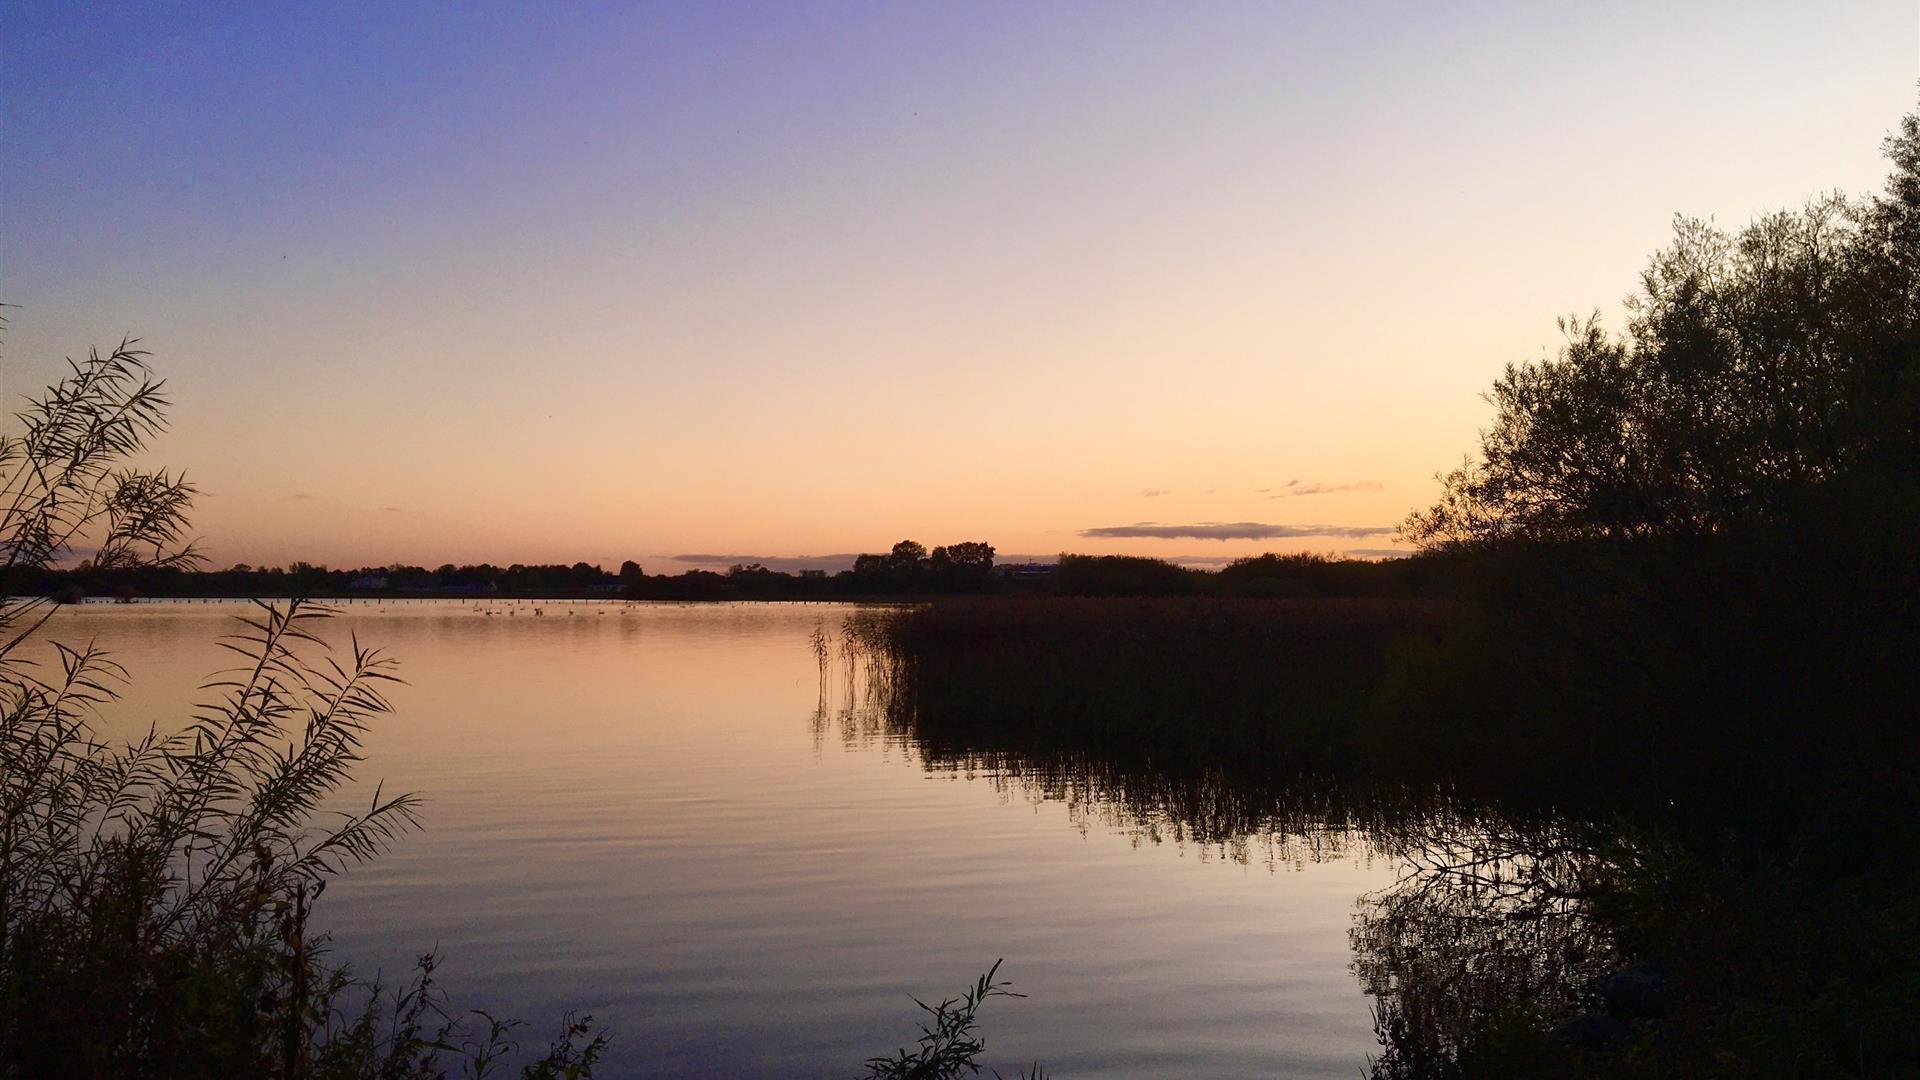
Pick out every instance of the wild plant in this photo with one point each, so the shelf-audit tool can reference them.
(950, 1044)
(155, 894)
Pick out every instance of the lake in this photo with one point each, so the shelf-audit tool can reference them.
(647, 812)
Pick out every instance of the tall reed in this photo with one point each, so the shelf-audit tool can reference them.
(155, 894)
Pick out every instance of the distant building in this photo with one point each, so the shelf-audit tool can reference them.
(813, 573)
(368, 582)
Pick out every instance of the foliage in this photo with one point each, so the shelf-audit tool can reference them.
(1758, 367)
(143, 884)
(1697, 543)
(68, 474)
(950, 1045)
(910, 568)
(155, 895)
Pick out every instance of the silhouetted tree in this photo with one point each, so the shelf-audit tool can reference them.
(964, 567)
(908, 555)
(1757, 367)
(972, 553)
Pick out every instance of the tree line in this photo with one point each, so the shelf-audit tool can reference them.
(908, 568)
(311, 579)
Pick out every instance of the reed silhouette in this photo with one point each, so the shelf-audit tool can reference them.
(155, 895)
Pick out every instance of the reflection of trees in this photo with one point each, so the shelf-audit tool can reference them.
(1489, 930)
(1489, 933)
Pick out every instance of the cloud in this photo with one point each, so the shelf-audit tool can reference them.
(300, 496)
(1231, 530)
(389, 509)
(1295, 487)
(1153, 493)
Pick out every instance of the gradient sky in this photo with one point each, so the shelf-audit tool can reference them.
(543, 282)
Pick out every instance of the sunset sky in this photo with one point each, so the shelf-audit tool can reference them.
(550, 282)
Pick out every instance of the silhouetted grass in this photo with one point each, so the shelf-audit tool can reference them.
(1188, 681)
(950, 1044)
(155, 896)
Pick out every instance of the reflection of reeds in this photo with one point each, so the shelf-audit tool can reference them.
(1225, 728)
(854, 680)
(1088, 703)
(822, 641)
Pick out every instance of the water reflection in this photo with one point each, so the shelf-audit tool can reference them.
(1490, 931)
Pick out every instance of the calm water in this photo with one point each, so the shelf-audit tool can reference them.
(634, 812)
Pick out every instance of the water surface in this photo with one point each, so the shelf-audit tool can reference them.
(636, 811)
